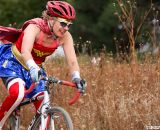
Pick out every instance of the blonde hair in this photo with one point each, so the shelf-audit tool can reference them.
(45, 16)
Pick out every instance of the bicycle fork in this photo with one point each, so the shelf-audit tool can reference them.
(44, 117)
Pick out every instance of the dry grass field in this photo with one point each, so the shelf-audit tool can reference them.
(120, 96)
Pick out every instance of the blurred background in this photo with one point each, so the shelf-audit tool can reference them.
(97, 25)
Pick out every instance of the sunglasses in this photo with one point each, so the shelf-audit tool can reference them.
(64, 23)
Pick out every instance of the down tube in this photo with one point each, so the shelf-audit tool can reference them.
(46, 103)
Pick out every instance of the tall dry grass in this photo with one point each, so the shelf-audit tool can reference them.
(120, 96)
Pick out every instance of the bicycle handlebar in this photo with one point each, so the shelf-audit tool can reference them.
(57, 81)
(78, 93)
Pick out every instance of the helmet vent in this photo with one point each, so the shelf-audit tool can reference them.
(60, 3)
(52, 3)
(57, 11)
(64, 9)
(70, 10)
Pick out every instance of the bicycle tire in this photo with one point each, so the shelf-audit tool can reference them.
(55, 113)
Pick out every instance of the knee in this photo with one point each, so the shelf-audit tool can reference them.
(16, 89)
(17, 95)
(39, 102)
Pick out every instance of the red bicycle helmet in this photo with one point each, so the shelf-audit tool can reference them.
(60, 9)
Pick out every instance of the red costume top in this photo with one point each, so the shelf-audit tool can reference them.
(39, 52)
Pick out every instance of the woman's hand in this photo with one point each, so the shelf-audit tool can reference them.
(34, 70)
(81, 84)
(35, 73)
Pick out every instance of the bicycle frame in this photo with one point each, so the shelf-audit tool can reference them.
(46, 101)
(46, 104)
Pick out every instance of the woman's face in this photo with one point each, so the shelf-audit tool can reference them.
(60, 26)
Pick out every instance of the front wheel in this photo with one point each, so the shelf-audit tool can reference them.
(57, 119)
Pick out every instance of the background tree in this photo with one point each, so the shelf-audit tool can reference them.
(95, 26)
(132, 20)
(95, 22)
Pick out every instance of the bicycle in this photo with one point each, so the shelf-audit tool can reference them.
(48, 118)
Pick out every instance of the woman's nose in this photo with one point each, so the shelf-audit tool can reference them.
(66, 28)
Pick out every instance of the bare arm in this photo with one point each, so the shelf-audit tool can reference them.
(30, 34)
(70, 53)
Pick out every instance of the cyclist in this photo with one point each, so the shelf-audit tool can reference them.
(21, 61)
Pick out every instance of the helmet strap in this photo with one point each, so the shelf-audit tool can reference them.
(52, 31)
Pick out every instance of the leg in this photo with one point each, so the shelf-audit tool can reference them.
(39, 90)
(38, 103)
(16, 88)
